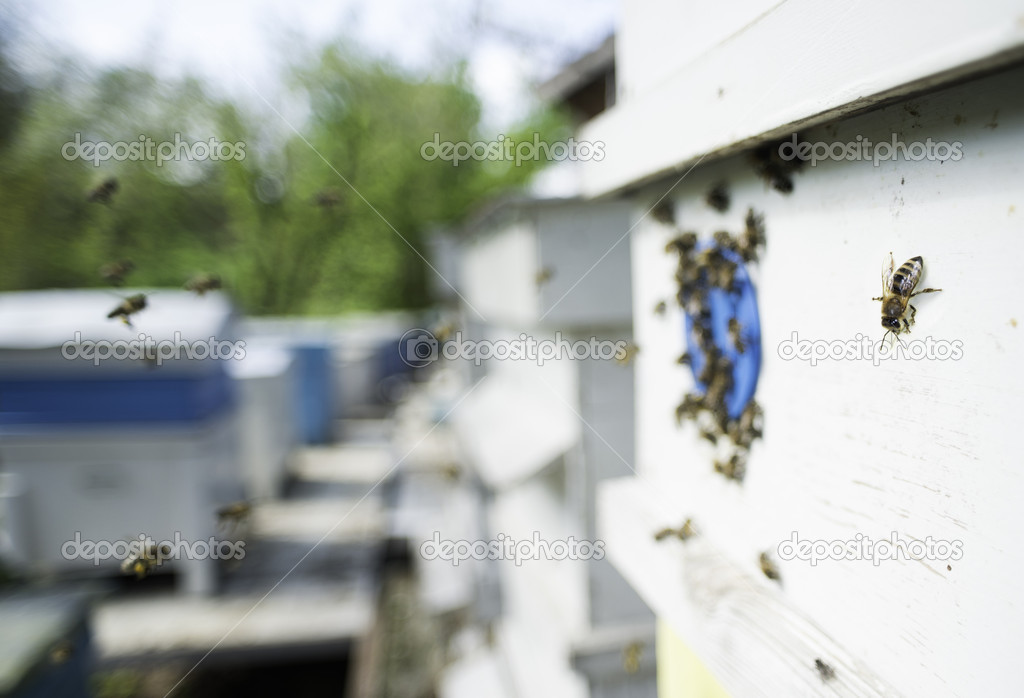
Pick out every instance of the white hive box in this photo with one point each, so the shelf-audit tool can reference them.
(922, 448)
(558, 262)
(266, 417)
(112, 451)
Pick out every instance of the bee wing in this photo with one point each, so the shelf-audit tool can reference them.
(888, 268)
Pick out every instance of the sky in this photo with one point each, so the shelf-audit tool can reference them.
(239, 47)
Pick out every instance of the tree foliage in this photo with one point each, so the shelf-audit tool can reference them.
(330, 217)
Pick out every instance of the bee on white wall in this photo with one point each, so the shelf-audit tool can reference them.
(897, 289)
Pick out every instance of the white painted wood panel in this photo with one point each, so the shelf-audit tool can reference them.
(802, 63)
(921, 448)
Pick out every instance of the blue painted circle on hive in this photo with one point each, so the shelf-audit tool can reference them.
(740, 303)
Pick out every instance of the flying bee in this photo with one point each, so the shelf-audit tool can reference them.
(327, 197)
(826, 672)
(685, 359)
(543, 276)
(114, 272)
(451, 470)
(627, 353)
(62, 651)
(129, 306)
(769, 568)
(145, 559)
(235, 513)
(444, 331)
(631, 656)
(718, 198)
(201, 283)
(660, 308)
(897, 290)
(103, 192)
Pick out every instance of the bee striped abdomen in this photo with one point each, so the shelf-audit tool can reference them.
(905, 278)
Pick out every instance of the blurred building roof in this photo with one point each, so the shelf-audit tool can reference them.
(587, 85)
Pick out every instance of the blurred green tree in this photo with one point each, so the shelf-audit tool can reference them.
(329, 217)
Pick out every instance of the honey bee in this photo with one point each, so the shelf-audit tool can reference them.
(660, 308)
(683, 533)
(748, 427)
(753, 236)
(897, 290)
(718, 198)
(327, 197)
(543, 276)
(145, 560)
(769, 568)
(826, 672)
(736, 335)
(682, 244)
(664, 212)
(62, 651)
(734, 468)
(114, 272)
(631, 656)
(451, 470)
(235, 513)
(129, 306)
(103, 192)
(691, 405)
(725, 240)
(770, 166)
(627, 354)
(685, 359)
(201, 283)
(444, 331)
(709, 435)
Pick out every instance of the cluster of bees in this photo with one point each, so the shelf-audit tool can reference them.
(698, 272)
(114, 273)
